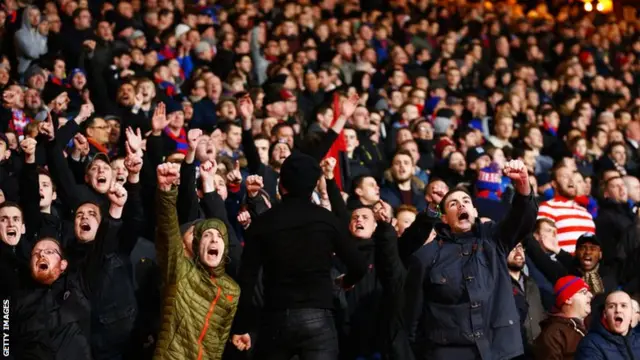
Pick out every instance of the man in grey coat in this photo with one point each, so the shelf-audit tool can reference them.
(31, 39)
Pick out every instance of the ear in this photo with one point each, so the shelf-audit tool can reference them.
(358, 191)
(54, 196)
(86, 178)
(475, 213)
(444, 219)
(63, 265)
(23, 230)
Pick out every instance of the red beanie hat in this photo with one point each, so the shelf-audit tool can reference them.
(566, 287)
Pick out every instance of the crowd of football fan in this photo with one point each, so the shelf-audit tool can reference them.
(319, 179)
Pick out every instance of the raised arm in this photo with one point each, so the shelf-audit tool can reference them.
(187, 196)
(521, 218)
(67, 189)
(133, 218)
(245, 109)
(168, 239)
(552, 270)
(347, 108)
(338, 206)
(71, 128)
(30, 188)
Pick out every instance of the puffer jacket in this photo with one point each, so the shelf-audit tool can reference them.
(198, 307)
(601, 344)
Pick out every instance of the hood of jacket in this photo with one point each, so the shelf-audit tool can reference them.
(26, 24)
(199, 229)
(575, 324)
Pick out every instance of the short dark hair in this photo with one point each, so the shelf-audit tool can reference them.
(358, 180)
(226, 126)
(11, 204)
(443, 202)
(278, 126)
(91, 203)
(45, 172)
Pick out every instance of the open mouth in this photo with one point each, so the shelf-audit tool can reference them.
(41, 197)
(43, 266)
(212, 252)
(587, 261)
(102, 180)
(463, 216)
(618, 321)
(85, 227)
(121, 179)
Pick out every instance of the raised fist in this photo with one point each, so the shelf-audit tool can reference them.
(517, 172)
(254, 183)
(244, 219)
(327, 165)
(28, 146)
(117, 195)
(167, 175)
(193, 137)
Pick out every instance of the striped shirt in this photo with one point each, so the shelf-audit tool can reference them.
(572, 220)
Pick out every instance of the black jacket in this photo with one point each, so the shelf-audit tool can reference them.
(14, 267)
(359, 318)
(53, 322)
(613, 222)
(417, 234)
(458, 293)
(529, 305)
(294, 242)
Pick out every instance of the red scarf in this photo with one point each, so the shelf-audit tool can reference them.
(101, 148)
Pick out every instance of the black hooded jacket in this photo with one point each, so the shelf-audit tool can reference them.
(53, 322)
(294, 243)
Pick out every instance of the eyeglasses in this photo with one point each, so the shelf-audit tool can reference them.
(48, 252)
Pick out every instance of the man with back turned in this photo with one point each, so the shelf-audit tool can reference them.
(294, 243)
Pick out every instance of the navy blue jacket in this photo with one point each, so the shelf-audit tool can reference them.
(391, 194)
(600, 344)
(458, 294)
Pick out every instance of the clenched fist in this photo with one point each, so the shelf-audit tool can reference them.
(117, 195)
(167, 175)
(254, 183)
(244, 219)
(517, 172)
(28, 147)
(327, 165)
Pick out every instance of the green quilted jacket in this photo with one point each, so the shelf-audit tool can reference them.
(198, 308)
